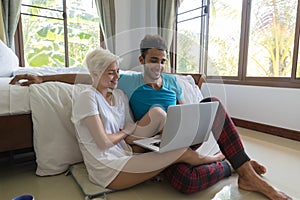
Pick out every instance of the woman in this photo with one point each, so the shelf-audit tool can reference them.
(102, 119)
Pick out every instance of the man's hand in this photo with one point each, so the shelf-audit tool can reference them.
(27, 79)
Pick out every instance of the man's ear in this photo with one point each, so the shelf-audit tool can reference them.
(141, 59)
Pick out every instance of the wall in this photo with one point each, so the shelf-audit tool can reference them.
(135, 18)
(278, 107)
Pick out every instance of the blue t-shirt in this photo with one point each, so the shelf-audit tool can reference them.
(142, 96)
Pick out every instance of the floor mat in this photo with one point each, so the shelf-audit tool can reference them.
(89, 189)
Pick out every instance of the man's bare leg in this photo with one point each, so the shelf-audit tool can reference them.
(258, 168)
(250, 180)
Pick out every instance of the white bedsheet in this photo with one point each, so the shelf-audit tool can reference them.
(14, 99)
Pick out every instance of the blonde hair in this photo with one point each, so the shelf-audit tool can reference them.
(99, 59)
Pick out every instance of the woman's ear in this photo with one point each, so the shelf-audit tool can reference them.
(141, 59)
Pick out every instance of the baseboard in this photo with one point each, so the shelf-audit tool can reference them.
(272, 130)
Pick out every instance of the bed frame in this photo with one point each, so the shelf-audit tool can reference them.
(16, 131)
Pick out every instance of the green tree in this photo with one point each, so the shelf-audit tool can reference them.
(224, 38)
(187, 45)
(273, 32)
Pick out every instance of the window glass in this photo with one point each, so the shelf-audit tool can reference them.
(83, 29)
(271, 38)
(224, 37)
(43, 28)
(43, 35)
(189, 25)
(188, 46)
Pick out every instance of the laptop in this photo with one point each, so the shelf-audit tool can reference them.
(186, 125)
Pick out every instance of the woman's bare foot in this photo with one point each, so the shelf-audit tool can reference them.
(195, 158)
(211, 159)
(250, 180)
(219, 156)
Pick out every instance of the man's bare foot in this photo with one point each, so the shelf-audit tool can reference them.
(250, 180)
(258, 168)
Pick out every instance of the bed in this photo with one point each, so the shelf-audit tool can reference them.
(15, 118)
(15, 115)
(16, 126)
(38, 117)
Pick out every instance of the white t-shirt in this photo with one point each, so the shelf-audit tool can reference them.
(102, 165)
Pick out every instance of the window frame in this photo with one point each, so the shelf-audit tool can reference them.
(242, 78)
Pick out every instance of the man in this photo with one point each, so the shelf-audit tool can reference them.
(155, 88)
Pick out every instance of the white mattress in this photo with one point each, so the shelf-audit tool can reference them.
(14, 99)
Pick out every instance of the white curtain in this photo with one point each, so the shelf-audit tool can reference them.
(107, 14)
(11, 14)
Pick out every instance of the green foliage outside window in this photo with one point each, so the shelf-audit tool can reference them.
(43, 38)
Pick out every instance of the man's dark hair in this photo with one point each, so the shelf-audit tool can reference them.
(152, 42)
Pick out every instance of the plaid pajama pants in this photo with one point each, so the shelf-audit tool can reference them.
(189, 179)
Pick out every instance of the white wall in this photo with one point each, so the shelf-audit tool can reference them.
(135, 19)
(278, 107)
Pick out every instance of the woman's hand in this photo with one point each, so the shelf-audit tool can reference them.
(129, 128)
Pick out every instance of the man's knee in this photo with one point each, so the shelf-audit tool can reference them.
(158, 113)
(158, 116)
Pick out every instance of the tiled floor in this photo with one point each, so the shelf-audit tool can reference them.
(280, 156)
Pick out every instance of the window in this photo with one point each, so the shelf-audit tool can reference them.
(271, 38)
(224, 38)
(58, 33)
(248, 42)
(191, 36)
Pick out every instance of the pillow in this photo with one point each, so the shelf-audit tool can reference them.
(8, 61)
(190, 91)
(54, 137)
